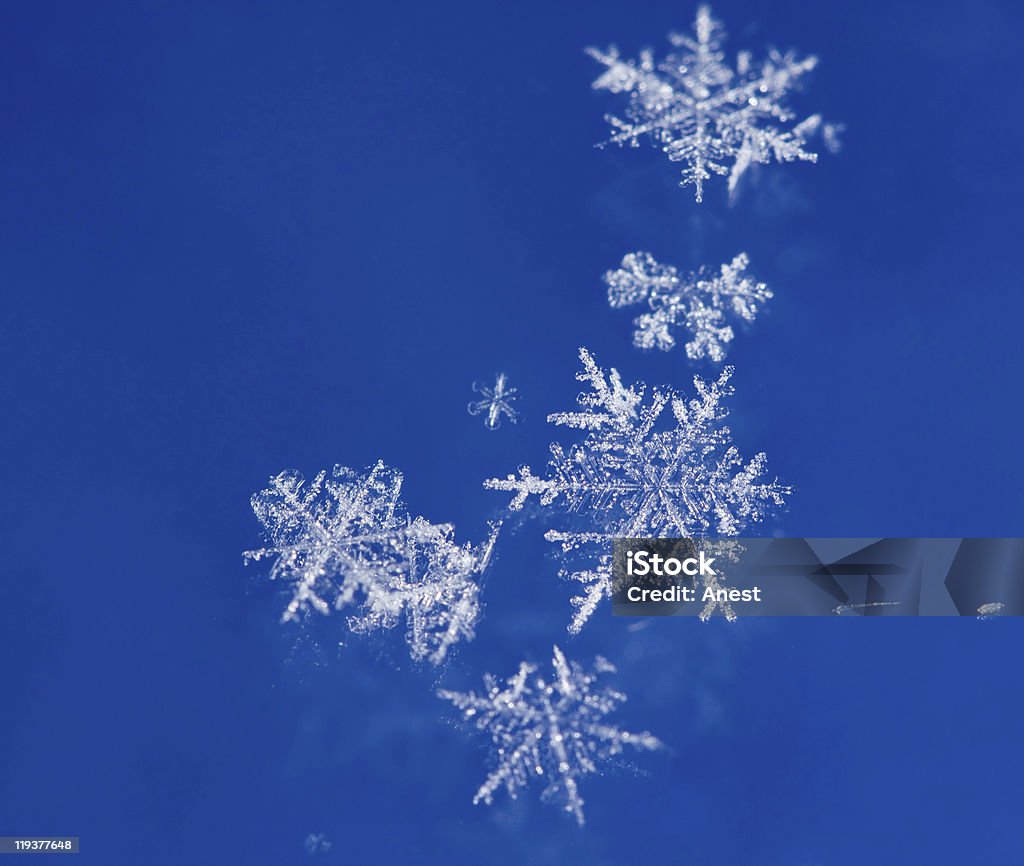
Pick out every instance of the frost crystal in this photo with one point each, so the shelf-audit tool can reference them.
(553, 730)
(344, 540)
(497, 401)
(643, 473)
(698, 303)
(704, 113)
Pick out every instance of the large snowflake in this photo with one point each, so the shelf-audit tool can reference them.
(705, 114)
(548, 730)
(644, 472)
(699, 303)
(344, 541)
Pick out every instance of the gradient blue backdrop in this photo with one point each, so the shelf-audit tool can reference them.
(238, 238)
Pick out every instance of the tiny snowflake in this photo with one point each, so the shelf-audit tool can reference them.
(497, 401)
(317, 843)
(704, 113)
(698, 303)
(344, 541)
(639, 474)
(552, 730)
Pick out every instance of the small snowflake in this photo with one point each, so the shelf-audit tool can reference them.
(698, 303)
(707, 115)
(548, 730)
(497, 401)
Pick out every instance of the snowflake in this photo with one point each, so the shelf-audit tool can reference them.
(549, 730)
(344, 540)
(497, 401)
(705, 114)
(633, 477)
(699, 302)
(317, 843)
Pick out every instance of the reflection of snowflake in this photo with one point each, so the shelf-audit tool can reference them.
(635, 479)
(698, 303)
(849, 609)
(703, 113)
(345, 541)
(497, 401)
(987, 611)
(551, 730)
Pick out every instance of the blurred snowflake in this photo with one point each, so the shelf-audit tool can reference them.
(698, 303)
(317, 843)
(345, 541)
(704, 113)
(497, 401)
(633, 476)
(548, 730)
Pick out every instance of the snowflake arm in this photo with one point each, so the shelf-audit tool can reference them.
(595, 586)
(550, 730)
(618, 403)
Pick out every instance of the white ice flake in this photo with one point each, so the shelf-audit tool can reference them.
(497, 401)
(643, 472)
(699, 303)
(713, 118)
(551, 731)
(345, 541)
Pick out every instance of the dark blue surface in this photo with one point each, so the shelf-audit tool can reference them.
(239, 238)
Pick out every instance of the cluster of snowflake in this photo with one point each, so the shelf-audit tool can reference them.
(644, 472)
(650, 463)
(497, 401)
(707, 115)
(550, 731)
(698, 303)
(345, 541)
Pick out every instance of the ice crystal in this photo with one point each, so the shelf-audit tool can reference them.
(345, 541)
(553, 731)
(642, 472)
(497, 401)
(705, 114)
(698, 303)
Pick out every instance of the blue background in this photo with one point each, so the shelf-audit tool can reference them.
(239, 238)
